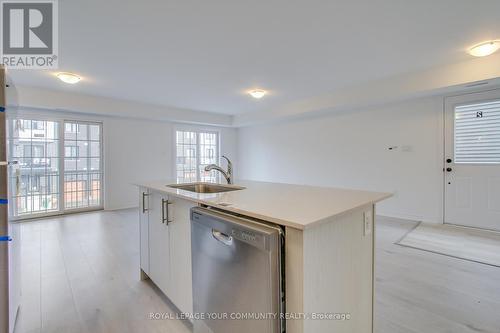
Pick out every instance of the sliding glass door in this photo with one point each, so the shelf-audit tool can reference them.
(59, 166)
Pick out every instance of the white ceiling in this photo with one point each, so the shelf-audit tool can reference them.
(203, 55)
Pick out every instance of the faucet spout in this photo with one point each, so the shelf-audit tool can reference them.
(227, 174)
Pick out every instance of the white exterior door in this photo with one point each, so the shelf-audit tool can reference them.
(472, 160)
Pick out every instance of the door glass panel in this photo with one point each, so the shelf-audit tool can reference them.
(82, 132)
(82, 148)
(33, 183)
(95, 149)
(477, 133)
(82, 162)
(186, 158)
(208, 155)
(95, 132)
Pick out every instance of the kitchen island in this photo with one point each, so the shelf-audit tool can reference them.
(328, 250)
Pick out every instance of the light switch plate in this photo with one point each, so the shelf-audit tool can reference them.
(368, 223)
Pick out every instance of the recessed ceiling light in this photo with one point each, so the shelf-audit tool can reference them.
(69, 77)
(257, 93)
(485, 48)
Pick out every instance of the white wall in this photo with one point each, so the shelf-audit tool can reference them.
(134, 150)
(350, 149)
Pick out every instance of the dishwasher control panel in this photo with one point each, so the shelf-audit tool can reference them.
(244, 235)
(248, 236)
(257, 236)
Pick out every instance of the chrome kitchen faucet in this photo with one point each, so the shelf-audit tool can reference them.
(227, 174)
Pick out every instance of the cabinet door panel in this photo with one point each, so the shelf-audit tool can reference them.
(180, 254)
(159, 256)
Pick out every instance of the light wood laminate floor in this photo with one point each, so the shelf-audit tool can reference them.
(80, 274)
(460, 242)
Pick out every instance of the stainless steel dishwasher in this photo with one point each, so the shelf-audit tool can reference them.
(237, 274)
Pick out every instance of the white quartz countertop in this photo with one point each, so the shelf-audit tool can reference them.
(296, 206)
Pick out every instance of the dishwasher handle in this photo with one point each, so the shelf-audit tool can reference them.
(221, 237)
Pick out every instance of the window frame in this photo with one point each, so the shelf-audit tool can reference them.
(197, 130)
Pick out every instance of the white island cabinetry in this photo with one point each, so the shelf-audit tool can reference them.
(165, 237)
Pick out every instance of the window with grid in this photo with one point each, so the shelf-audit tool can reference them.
(194, 151)
(82, 165)
(477, 133)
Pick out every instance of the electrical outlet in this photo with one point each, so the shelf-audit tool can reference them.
(368, 223)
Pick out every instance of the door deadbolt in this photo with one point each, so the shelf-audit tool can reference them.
(449, 160)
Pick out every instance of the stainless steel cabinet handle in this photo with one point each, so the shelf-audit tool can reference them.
(221, 237)
(165, 216)
(163, 219)
(144, 195)
(167, 213)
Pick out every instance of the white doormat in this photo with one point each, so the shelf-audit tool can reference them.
(460, 242)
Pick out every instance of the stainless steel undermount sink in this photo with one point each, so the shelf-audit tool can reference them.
(206, 187)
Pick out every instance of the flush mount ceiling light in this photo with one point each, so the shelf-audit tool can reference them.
(485, 48)
(68, 77)
(257, 93)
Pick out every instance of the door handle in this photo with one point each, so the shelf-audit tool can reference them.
(144, 195)
(8, 163)
(165, 211)
(449, 169)
(18, 180)
(221, 237)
